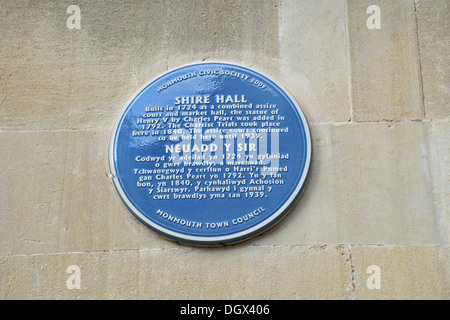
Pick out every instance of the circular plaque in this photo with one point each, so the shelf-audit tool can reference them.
(210, 154)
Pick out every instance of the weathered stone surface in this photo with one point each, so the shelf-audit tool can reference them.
(251, 273)
(434, 42)
(378, 193)
(441, 131)
(385, 70)
(56, 78)
(57, 196)
(185, 32)
(244, 272)
(103, 275)
(314, 59)
(297, 272)
(406, 272)
(371, 183)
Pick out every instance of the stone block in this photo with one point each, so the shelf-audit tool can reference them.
(57, 195)
(385, 67)
(101, 275)
(195, 31)
(441, 131)
(56, 78)
(434, 43)
(244, 272)
(314, 59)
(405, 272)
(371, 183)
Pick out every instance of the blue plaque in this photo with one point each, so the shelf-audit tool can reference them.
(210, 154)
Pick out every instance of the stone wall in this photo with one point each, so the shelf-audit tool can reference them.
(377, 101)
